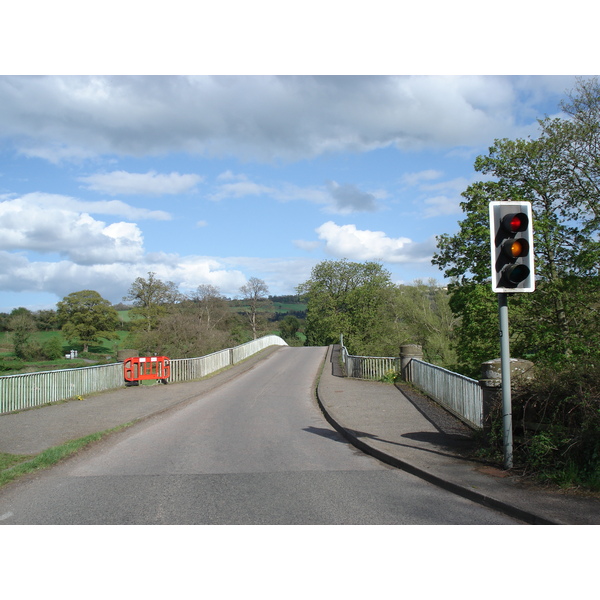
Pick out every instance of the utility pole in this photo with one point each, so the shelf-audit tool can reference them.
(507, 431)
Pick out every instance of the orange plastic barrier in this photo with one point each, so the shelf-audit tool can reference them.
(138, 369)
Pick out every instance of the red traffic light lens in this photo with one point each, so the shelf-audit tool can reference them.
(515, 222)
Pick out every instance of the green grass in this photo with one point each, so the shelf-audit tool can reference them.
(9, 460)
(11, 365)
(13, 466)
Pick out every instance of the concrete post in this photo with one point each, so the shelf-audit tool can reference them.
(491, 384)
(407, 353)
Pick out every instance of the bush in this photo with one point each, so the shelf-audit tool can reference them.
(556, 419)
(52, 349)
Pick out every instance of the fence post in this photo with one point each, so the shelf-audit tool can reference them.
(407, 353)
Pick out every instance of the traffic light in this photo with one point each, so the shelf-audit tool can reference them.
(511, 236)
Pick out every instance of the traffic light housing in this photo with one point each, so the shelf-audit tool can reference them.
(511, 237)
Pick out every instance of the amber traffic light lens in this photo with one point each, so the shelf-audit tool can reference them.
(515, 248)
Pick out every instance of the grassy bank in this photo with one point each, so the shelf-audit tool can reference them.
(13, 466)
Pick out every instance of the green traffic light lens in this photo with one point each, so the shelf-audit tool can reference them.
(516, 273)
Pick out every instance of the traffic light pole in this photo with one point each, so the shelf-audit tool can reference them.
(506, 390)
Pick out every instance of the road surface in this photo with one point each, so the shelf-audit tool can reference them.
(256, 450)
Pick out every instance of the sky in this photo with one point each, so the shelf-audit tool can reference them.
(217, 179)
(214, 179)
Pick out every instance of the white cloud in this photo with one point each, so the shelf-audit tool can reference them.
(151, 183)
(240, 189)
(441, 205)
(38, 227)
(417, 178)
(306, 245)
(44, 201)
(347, 241)
(19, 274)
(256, 117)
(334, 197)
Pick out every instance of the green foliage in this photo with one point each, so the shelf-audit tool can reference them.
(376, 317)
(556, 418)
(558, 173)
(422, 315)
(196, 326)
(22, 324)
(391, 376)
(348, 298)
(289, 327)
(557, 326)
(52, 348)
(46, 320)
(151, 300)
(87, 317)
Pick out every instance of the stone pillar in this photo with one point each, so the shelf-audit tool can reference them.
(407, 353)
(491, 384)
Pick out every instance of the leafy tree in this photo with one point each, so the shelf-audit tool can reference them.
(422, 315)
(558, 174)
(87, 317)
(151, 299)
(254, 293)
(22, 323)
(46, 320)
(348, 298)
(289, 327)
(52, 348)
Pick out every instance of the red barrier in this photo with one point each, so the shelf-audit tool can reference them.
(136, 369)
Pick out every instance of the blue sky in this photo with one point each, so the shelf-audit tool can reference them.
(216, 179)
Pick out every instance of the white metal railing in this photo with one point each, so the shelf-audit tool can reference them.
(460, 395)
(19, 392)
(369, 367)
(190, 369)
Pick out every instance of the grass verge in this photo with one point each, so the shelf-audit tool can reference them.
(14, 466)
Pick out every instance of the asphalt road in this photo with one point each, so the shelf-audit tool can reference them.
(256, 450)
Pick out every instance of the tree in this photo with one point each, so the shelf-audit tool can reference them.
(87, 317)
(422, 315)
(46, 320)
(151, 298)
(254, 293)
(22, 323)
(52, 348)
(348, 298)
(289, 327)
(210, 305)
(558, 174)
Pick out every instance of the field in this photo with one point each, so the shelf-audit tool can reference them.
(107, 352)
(10, 364)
